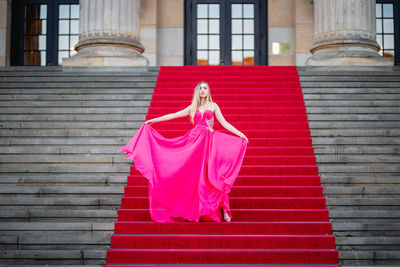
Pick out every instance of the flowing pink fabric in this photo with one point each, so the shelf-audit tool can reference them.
(191, 175)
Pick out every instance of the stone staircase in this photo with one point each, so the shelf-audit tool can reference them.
(62, 176)
(354, 119)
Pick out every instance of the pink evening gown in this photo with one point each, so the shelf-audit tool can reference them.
(191, 175)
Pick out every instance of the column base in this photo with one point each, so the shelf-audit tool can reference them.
(106, 57)
(348, 58)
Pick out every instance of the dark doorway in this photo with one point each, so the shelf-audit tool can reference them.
(44, 31)
(220, 32)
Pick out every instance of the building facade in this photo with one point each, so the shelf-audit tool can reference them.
(199, 32)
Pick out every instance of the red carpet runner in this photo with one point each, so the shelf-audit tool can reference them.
(277, 202)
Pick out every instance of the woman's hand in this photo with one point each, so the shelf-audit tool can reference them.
(149, 121)
(243, 136)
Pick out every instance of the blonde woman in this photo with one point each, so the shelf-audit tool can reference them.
(190, 176)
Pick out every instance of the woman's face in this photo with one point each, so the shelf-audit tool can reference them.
(203, 90)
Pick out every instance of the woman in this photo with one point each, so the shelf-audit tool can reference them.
(189, 176)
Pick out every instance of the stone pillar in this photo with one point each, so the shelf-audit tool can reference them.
(345, 34)
(5, 32)
(109, 34)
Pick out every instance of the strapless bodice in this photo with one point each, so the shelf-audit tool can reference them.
(207, 119)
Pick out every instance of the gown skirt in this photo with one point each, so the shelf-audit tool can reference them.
(189, 176)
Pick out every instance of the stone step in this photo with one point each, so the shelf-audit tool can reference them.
(355, 132)
(73, 117)
(85, 215)
(8, 86)
(338, 91)
(81, 226)
(9, 190)
(361, 83)
(78, 110)
(387, 169)
(58, 202)
(61, 215)
(37, 227)
(67, 133)
(318, 142)
(71, 240)
(127, 117)
(60, 190)
(352, 124)
(105, 179)
(118, 158)
(34, 241)
(353, 117)
(75, 97)
(56, 256)
(362, 201)
(114, 148)
(76, 78)
(112, 202)
(63, 179)
(139, 73)
(358, 159)
(133, 125)
(348, 96)
(390, 169)
(364, 179)
(64, 141)
(364, 243)
(349, 133)
(366, 216)
(351, 103)
(67, 103)
(342, 149)
(84, 91)
(75, 125)
(77, 70)
(347, 70)
(362, 190)
(341, 228)
(56, 96)
(374, 78)
(139, 109)
(371, 257)
(66, 168)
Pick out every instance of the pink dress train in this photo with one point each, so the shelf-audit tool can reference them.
(191, 175)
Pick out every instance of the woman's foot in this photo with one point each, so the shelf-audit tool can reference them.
(179, 219)
(227, 218)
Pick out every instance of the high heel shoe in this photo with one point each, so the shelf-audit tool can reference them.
(227, 218)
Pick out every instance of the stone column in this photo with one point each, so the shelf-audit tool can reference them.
(109, 34)
(345, 34)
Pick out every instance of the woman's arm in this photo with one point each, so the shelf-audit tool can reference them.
(178, 114)
(226, 124)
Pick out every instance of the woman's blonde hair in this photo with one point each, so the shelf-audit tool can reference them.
(196, 99)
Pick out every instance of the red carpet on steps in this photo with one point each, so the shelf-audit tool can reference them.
(277, 202)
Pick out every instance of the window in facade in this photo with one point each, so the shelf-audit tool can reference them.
(68, 30)
(208, 34)
(35, 35)
(242, 34)
(385, 29)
